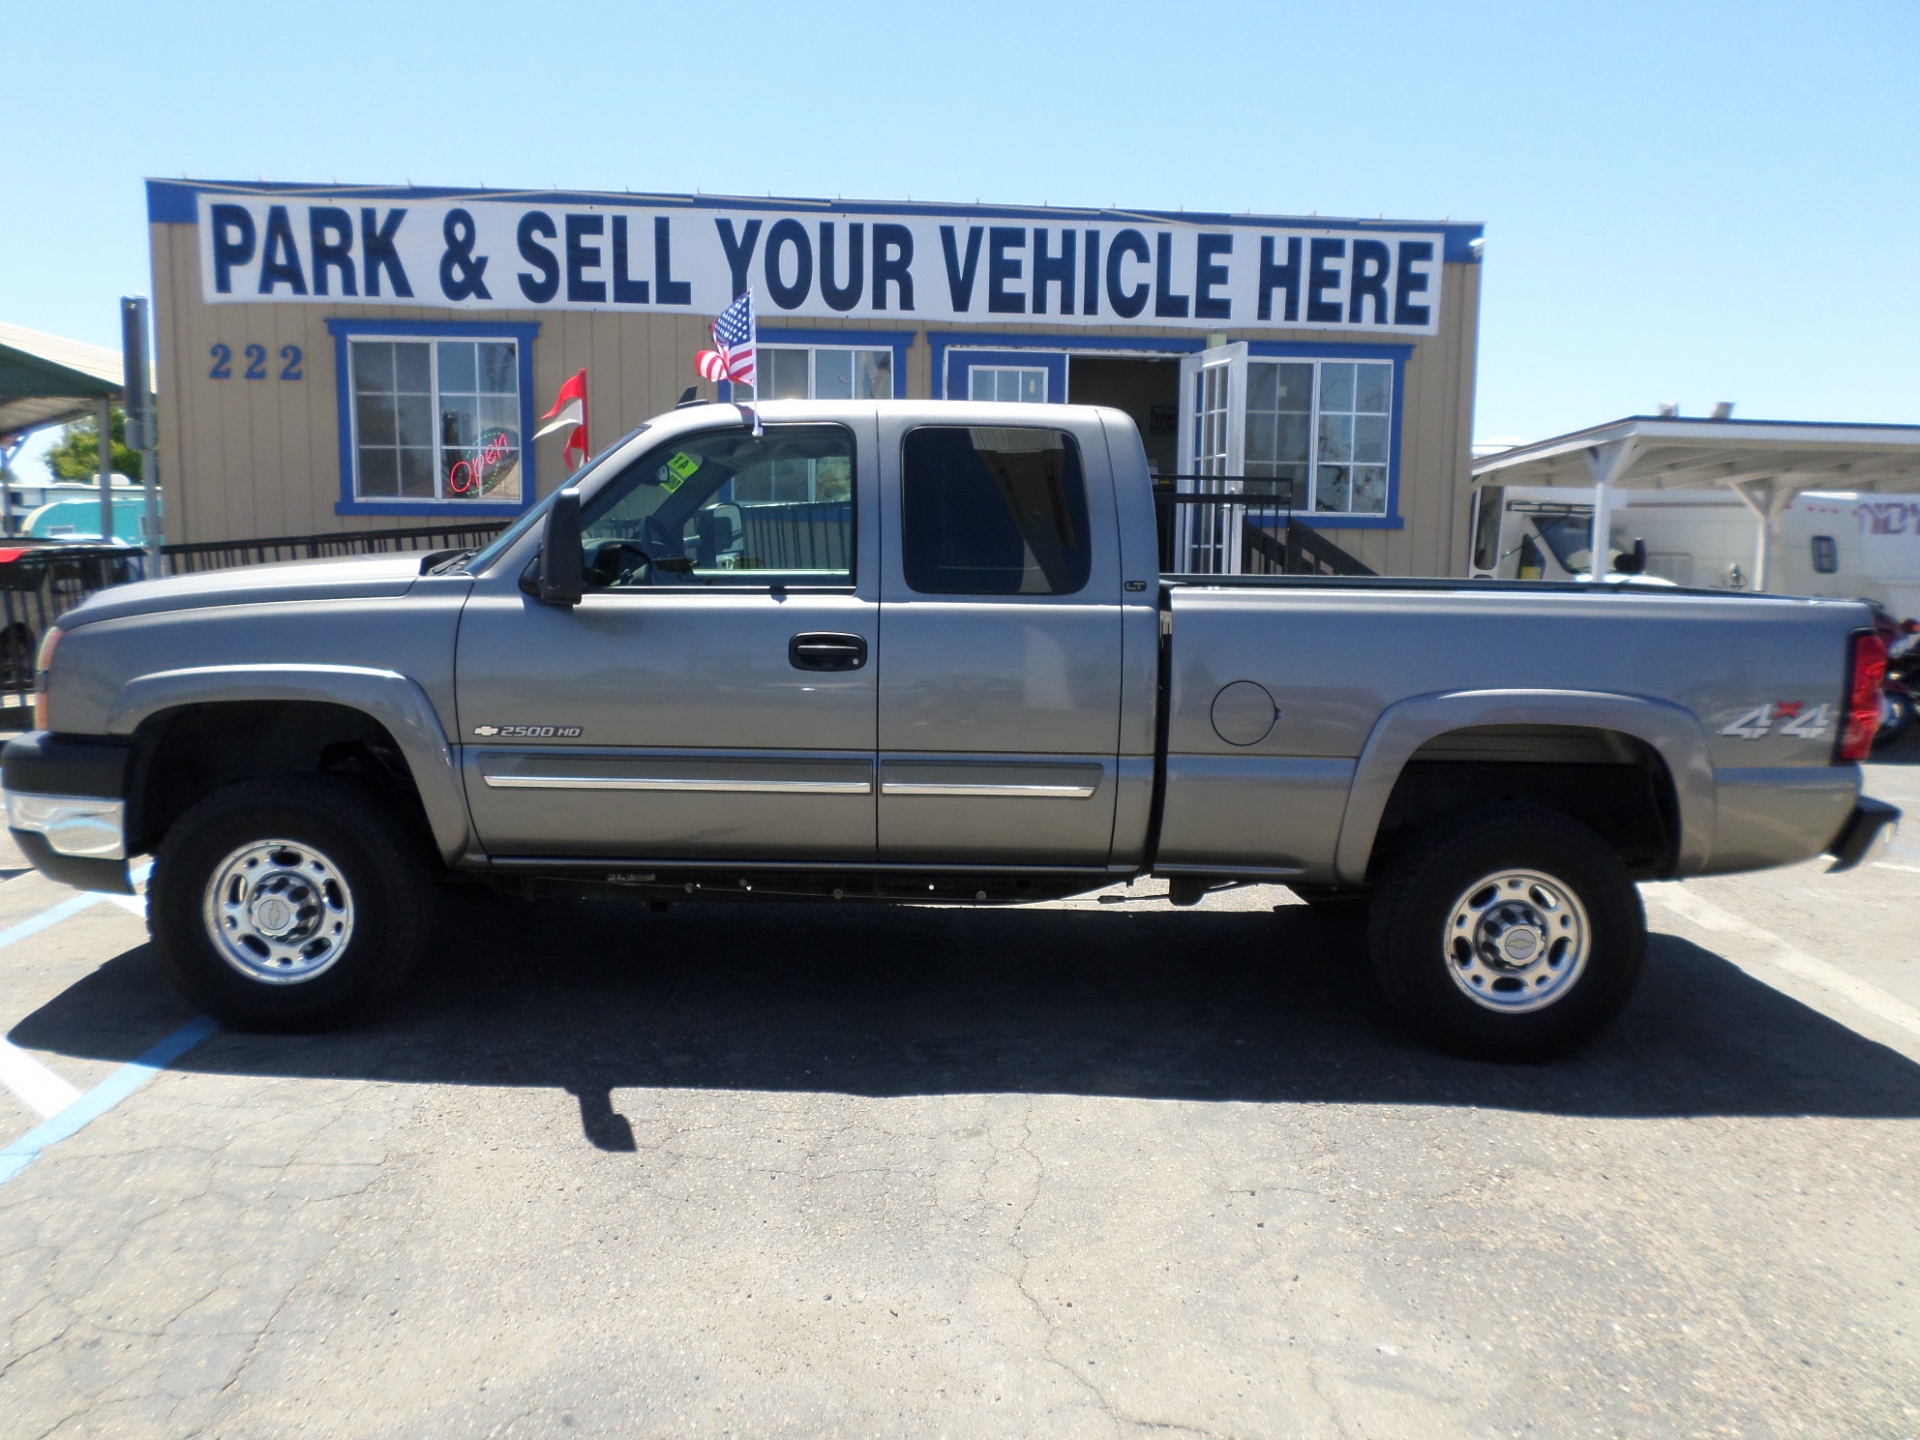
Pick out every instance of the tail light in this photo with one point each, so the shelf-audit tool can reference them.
(43, 663)
(1867, 670)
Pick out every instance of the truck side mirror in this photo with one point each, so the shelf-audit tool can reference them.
(562, 563)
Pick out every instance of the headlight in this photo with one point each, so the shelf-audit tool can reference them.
(41, 665)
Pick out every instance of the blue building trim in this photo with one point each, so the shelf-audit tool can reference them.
(173, 202)
(898, 341)
(1398, 354)
(520, 331)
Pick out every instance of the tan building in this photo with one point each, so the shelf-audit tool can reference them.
(336, 357)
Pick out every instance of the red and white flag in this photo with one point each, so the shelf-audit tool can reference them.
(569, 409)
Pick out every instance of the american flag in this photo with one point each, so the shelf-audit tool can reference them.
(733, 340)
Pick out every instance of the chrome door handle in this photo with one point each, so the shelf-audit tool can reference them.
(827, 650)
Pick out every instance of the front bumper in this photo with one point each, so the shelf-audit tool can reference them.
(66, 808)
(1865, 834)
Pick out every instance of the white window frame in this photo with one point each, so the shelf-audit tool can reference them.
(1235, 359)
(432, 342)
(748, 393)
(998, 370)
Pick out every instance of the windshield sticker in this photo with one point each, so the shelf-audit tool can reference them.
(678, 470)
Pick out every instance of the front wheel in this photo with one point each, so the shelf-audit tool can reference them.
(1511, 935)
(289, 904)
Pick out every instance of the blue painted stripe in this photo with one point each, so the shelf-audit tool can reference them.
(104, 1096)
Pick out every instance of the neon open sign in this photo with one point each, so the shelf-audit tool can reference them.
(469, 477)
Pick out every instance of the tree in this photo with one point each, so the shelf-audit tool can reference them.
(77, 456)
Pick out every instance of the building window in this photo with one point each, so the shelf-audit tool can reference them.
(436, 419)
(796, 372)
(1324, 429)
(1826, 555)
(1007, 383)
(1210, 411)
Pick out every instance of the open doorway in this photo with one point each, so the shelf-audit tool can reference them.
(1146, 389)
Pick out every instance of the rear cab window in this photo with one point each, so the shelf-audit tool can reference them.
(993, 510)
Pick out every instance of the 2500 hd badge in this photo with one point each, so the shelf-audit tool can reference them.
(528, 732)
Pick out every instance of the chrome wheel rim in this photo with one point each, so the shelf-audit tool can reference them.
(1516, 940)
(279, 911)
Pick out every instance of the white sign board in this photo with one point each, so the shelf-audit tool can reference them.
(939, 268)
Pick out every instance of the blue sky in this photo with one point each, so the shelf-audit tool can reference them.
(1688, 202)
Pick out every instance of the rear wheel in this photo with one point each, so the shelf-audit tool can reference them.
(289, 904)
(1514, 934)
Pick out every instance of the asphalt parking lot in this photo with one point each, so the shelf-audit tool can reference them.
(1102, 1168)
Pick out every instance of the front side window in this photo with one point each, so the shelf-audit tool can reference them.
(798, 372)
(724, 507)
(992, 510)
(436, 420)
(1322, 430)
(1007, 383)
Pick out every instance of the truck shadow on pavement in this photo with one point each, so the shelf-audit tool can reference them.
(1134, 1000)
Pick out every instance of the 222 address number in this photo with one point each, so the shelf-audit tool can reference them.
(256, 362)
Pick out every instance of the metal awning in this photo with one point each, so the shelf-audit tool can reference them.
(1647, 452)
(1764, 462)
(45, 379)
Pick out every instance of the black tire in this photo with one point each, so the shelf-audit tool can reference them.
(1436, 881)
(368, 881)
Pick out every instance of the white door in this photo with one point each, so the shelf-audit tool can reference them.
(1213, 428)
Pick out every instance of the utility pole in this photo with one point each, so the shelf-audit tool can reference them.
(140, 427)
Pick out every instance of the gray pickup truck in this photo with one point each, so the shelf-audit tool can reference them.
(920, 651)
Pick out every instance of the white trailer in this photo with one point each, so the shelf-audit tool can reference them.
(1824, 542)
(1789, 508)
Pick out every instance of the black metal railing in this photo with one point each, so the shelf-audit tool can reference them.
(228, 554)
(1202, 545)
(797, 535)
(39, 584)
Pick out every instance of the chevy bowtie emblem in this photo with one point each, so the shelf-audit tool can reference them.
(486, 729)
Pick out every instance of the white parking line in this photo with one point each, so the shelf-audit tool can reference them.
(1778, 954)
(38, 1088)
(68, 1110)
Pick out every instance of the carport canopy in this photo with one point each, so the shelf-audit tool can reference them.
(45, 379)
(1764, 462)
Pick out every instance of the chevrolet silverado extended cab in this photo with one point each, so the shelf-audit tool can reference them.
(922, 651)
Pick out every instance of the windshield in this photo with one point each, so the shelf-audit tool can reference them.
(505, 539)
(1567, 536)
